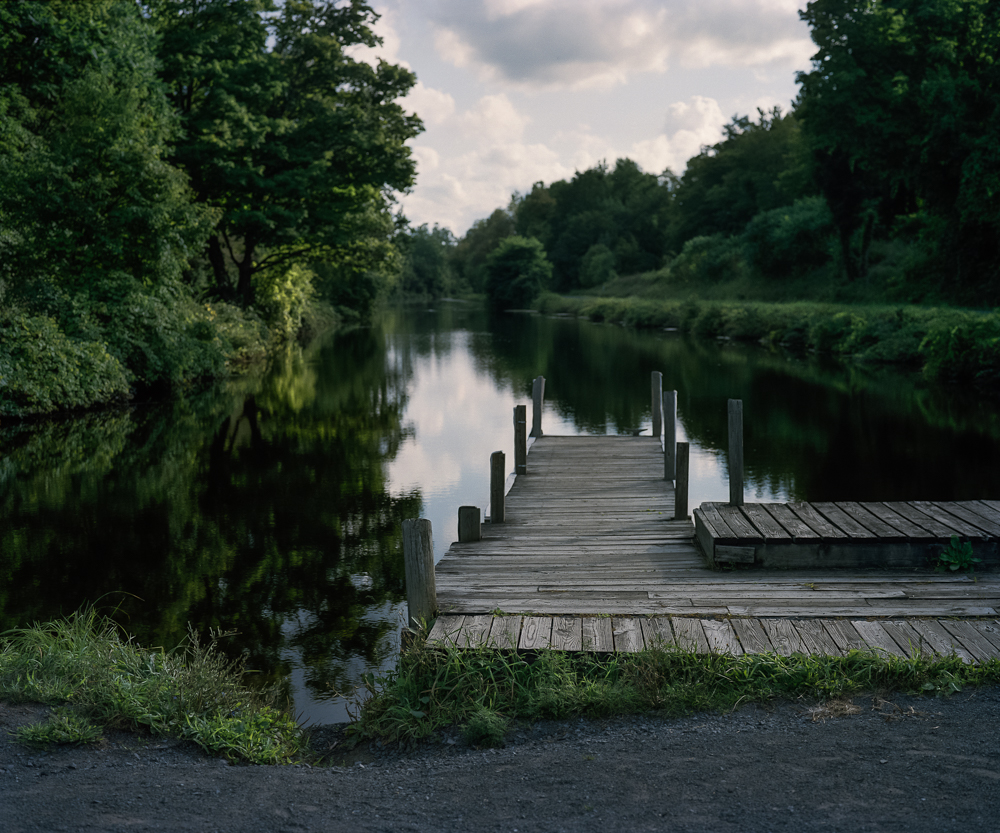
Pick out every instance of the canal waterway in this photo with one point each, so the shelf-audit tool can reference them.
(271, 505)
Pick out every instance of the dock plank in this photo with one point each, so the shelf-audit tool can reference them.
(940, 641)
(536, 633)
(689, 635)
(721, 637)
(627, 633)
(597, 635)
(753, 638)
(567, 633)
(783, 637)
(657, 633)
(504, 632)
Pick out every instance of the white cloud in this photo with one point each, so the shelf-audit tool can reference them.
(689, 126)
(494, 119)
(600, 43)
(391, 43)
(433, 106)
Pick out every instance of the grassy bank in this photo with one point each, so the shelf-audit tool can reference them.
(946, 344)
(96, 678)
(485, 690)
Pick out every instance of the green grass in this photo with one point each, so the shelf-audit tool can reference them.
(484, 690)
(946, 343)
(99, 678)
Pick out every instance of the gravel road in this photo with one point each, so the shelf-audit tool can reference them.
(897, 763)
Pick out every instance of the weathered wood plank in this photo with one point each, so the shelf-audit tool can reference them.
(900, 522)
(567, 633)
(990, 631)
(536, 633)
(822, 526)
(967, 512)
(597, 635)
(504, 632)
(657, 633)
(761, 519)
(939, 640)
(844, 635)
(475, 632)
(783, 637)
(735, 520)
(446, 629)
(627, 634)
(689, 635)
(934, 527)
(721, 637)
(839, 518)
(871, 521)
(903, 634)
(753, 638)
(798, 529)
(814, 636)
(958, 525)
(875, 637)
(973, 641)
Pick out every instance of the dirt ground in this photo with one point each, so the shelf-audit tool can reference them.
(892, 763)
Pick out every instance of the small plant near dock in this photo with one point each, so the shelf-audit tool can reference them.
(957, 556)
(97, 677)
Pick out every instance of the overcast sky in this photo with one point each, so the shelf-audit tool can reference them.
(516, 91)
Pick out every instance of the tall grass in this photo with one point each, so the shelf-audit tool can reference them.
(99, 678)
(945, 343)
(485, 689)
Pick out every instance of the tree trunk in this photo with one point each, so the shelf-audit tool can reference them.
(244, 284)
(217, 258)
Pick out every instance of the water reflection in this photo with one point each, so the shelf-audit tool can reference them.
(272, 505)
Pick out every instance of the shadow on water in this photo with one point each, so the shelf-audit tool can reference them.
(268, 505)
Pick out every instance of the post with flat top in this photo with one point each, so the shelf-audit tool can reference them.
(498, 477)
(670, 435)
(418, 561)
(735, 452)
(469, 528)
(681, 482)
(537, 400)
(656, 383)
(520, 439)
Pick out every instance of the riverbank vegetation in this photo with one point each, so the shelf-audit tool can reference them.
(875, 199)
(486, 690)
(184, 184)
(96, 678)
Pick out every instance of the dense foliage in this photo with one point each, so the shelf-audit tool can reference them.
(170, 171)
(881, 184)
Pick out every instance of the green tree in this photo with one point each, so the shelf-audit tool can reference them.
(901, 111)
(426, 263)
(470, 253)
(297, 144)
(516, 273)
(757, 166)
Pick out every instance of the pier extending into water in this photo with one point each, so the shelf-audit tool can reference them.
(589, 549)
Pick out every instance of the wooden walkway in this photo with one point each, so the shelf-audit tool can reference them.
(907, 535)
(590, 558)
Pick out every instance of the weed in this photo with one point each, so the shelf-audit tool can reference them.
(485, 728)
(62, 726)
(100, 677)
(956, 556)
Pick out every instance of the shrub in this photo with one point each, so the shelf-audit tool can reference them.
(709, 260)
(516, 273)
(792, 240)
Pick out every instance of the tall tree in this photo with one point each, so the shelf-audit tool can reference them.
(298, 144)
(902, 110)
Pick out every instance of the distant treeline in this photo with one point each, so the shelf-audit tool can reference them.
(881, 184)
(182, 182)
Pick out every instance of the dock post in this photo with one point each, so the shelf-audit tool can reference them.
(681, 482)
(735, 452)
(670, 435)
(656, 383)
(537, 400)
(418, 561)
(469, 528)
(497, 479)
(520, 439)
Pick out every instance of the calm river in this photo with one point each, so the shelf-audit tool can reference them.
(271, 505)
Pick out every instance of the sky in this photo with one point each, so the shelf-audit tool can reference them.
(512, 92)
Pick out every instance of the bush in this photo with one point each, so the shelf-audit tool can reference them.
(790, 241)
(710, 260)
(516, 273)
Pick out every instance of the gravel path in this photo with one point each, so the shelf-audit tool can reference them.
(902, 764)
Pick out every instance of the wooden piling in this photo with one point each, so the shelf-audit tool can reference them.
(681, 482)
(735, 452)
(670, 435)
(498, 477)
(537, 401)
(469, 528)
(418, 561)
(520, 439)
(656, 383)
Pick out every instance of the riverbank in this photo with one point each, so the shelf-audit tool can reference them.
(946, 344)
(878, 762)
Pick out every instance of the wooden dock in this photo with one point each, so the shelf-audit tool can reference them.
(901, 535)
(590, 557)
